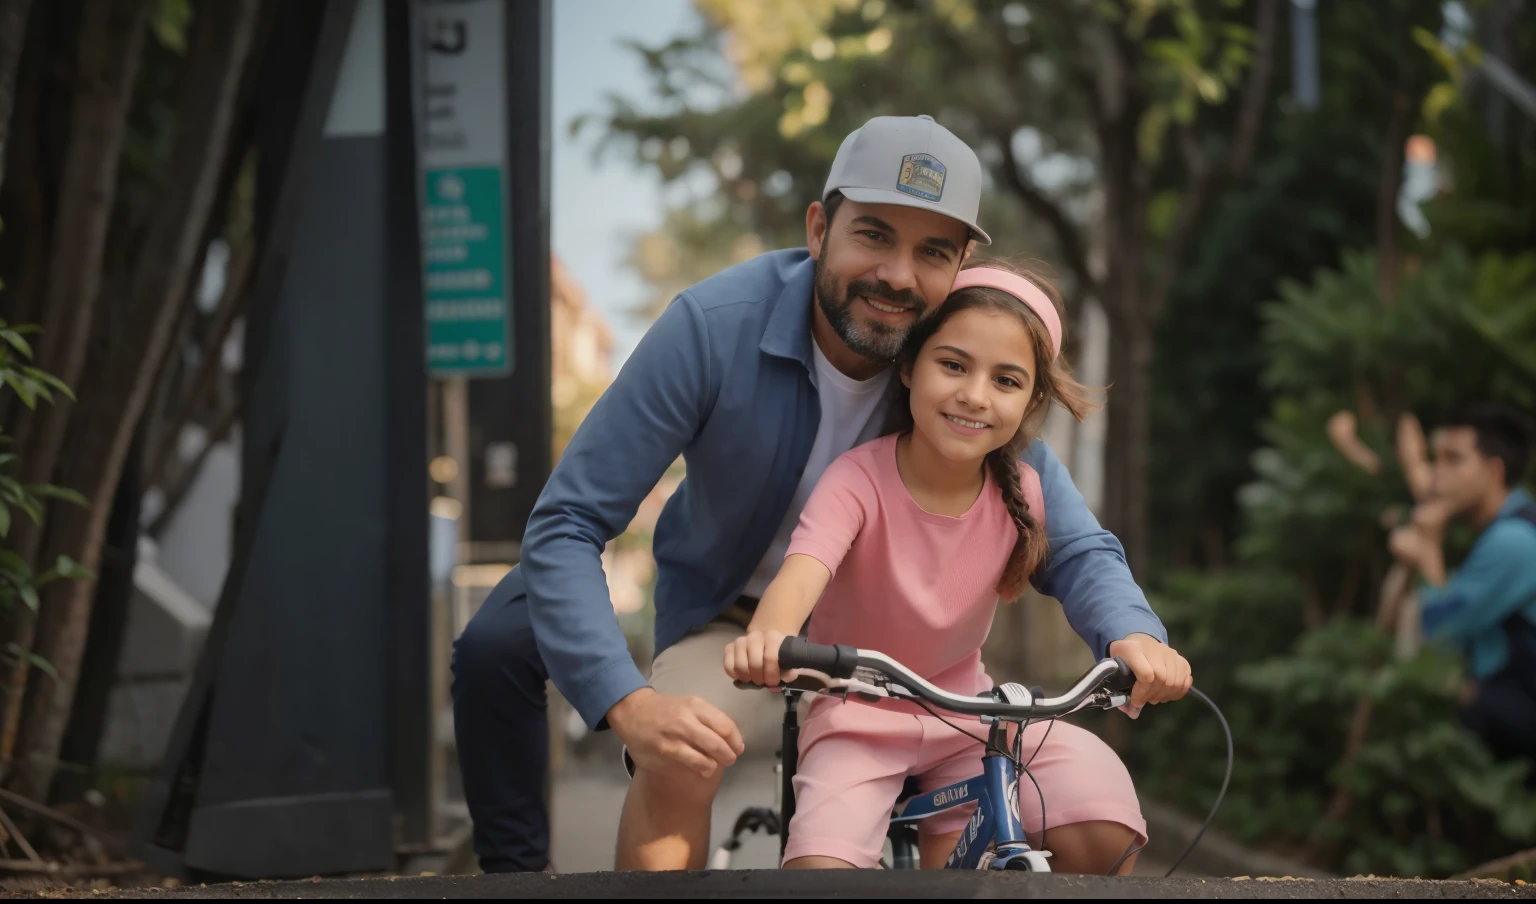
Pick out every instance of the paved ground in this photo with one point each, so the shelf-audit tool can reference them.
(837, 884)
(587, 800)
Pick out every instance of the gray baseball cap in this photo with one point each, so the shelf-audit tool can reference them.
(910, 161)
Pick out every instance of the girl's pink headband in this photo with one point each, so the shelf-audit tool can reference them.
(1020, 288)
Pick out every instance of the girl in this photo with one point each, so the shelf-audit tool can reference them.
(905, 546)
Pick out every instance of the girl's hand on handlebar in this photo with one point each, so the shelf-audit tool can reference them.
(1162, 675)
(754, 658)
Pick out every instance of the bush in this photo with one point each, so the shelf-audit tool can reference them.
(18, 584)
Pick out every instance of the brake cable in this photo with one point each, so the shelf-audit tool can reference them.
(1220, 795)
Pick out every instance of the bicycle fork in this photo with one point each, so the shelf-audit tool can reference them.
(1002, 779)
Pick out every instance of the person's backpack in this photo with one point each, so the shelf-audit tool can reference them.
(1519, 631)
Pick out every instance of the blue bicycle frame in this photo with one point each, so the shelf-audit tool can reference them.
(991, 824)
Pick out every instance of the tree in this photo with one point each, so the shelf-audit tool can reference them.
(1309, 199)
(108, 54)
(118, 202)
(1314, 193)
(19, 583)
(13, 25)
(1070, 104)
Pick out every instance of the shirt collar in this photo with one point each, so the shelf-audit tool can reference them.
(1518, 499)
(788, 334)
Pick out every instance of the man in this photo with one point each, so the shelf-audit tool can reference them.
(759, 377)
(1488, 608)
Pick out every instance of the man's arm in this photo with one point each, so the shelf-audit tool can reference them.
(1497, 579)
(637, 429)
(1086, 568)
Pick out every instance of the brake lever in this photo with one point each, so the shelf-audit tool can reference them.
(812, 681)
(800, 683)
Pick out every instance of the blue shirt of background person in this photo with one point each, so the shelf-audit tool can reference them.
(1480, 457)
(1497, 580)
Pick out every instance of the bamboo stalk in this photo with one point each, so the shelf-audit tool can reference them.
(21, 840)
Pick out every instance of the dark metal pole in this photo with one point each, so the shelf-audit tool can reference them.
(409, 601)
(1305, 86)
(513, 415)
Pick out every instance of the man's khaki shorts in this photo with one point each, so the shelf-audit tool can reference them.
(695, 666)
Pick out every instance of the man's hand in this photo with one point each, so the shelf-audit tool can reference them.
(666, 732)
(754, 658)
(1414, 543)
(1162, 675)
(1419, 544)
(1431, 518)
(1408, 545)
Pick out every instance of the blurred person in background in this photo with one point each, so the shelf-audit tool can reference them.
(1487, 609)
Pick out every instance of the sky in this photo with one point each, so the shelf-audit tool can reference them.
(596, 206)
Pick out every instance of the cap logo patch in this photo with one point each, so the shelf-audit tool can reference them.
(921, 175)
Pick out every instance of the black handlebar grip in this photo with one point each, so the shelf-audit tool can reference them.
(1123, 679)
(836, 661)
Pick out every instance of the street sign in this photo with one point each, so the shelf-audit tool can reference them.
(460, 90)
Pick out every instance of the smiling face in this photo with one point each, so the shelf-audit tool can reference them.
(972, 383)
(880, 269)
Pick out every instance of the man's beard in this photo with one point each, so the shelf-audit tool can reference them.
(874, 340)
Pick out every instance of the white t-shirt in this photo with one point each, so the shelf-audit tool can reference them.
(852, 413)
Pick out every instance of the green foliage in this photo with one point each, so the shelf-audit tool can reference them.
(145, 166)
(18, 583)
(1429, 799)
(1309, 197)
(1338, 334)
(169, 20)
(1490, 203)
(1461, 329)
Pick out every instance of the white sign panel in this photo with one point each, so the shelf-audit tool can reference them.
(462, 82)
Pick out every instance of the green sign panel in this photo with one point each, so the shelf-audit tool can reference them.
(464, 273)
(461, 110)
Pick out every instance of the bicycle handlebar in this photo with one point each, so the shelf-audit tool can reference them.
(845, 662)
(837, 661)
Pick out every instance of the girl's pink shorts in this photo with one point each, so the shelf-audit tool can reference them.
(854, 759)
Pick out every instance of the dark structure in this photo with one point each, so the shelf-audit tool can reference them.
(304, 745)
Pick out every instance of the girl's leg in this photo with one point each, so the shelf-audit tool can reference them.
(814, 862)
(933, 850)
(1083, 847)
(1092, 817)
(853, 760)
(1089, 847)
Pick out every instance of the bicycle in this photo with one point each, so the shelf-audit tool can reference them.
(994, 837)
